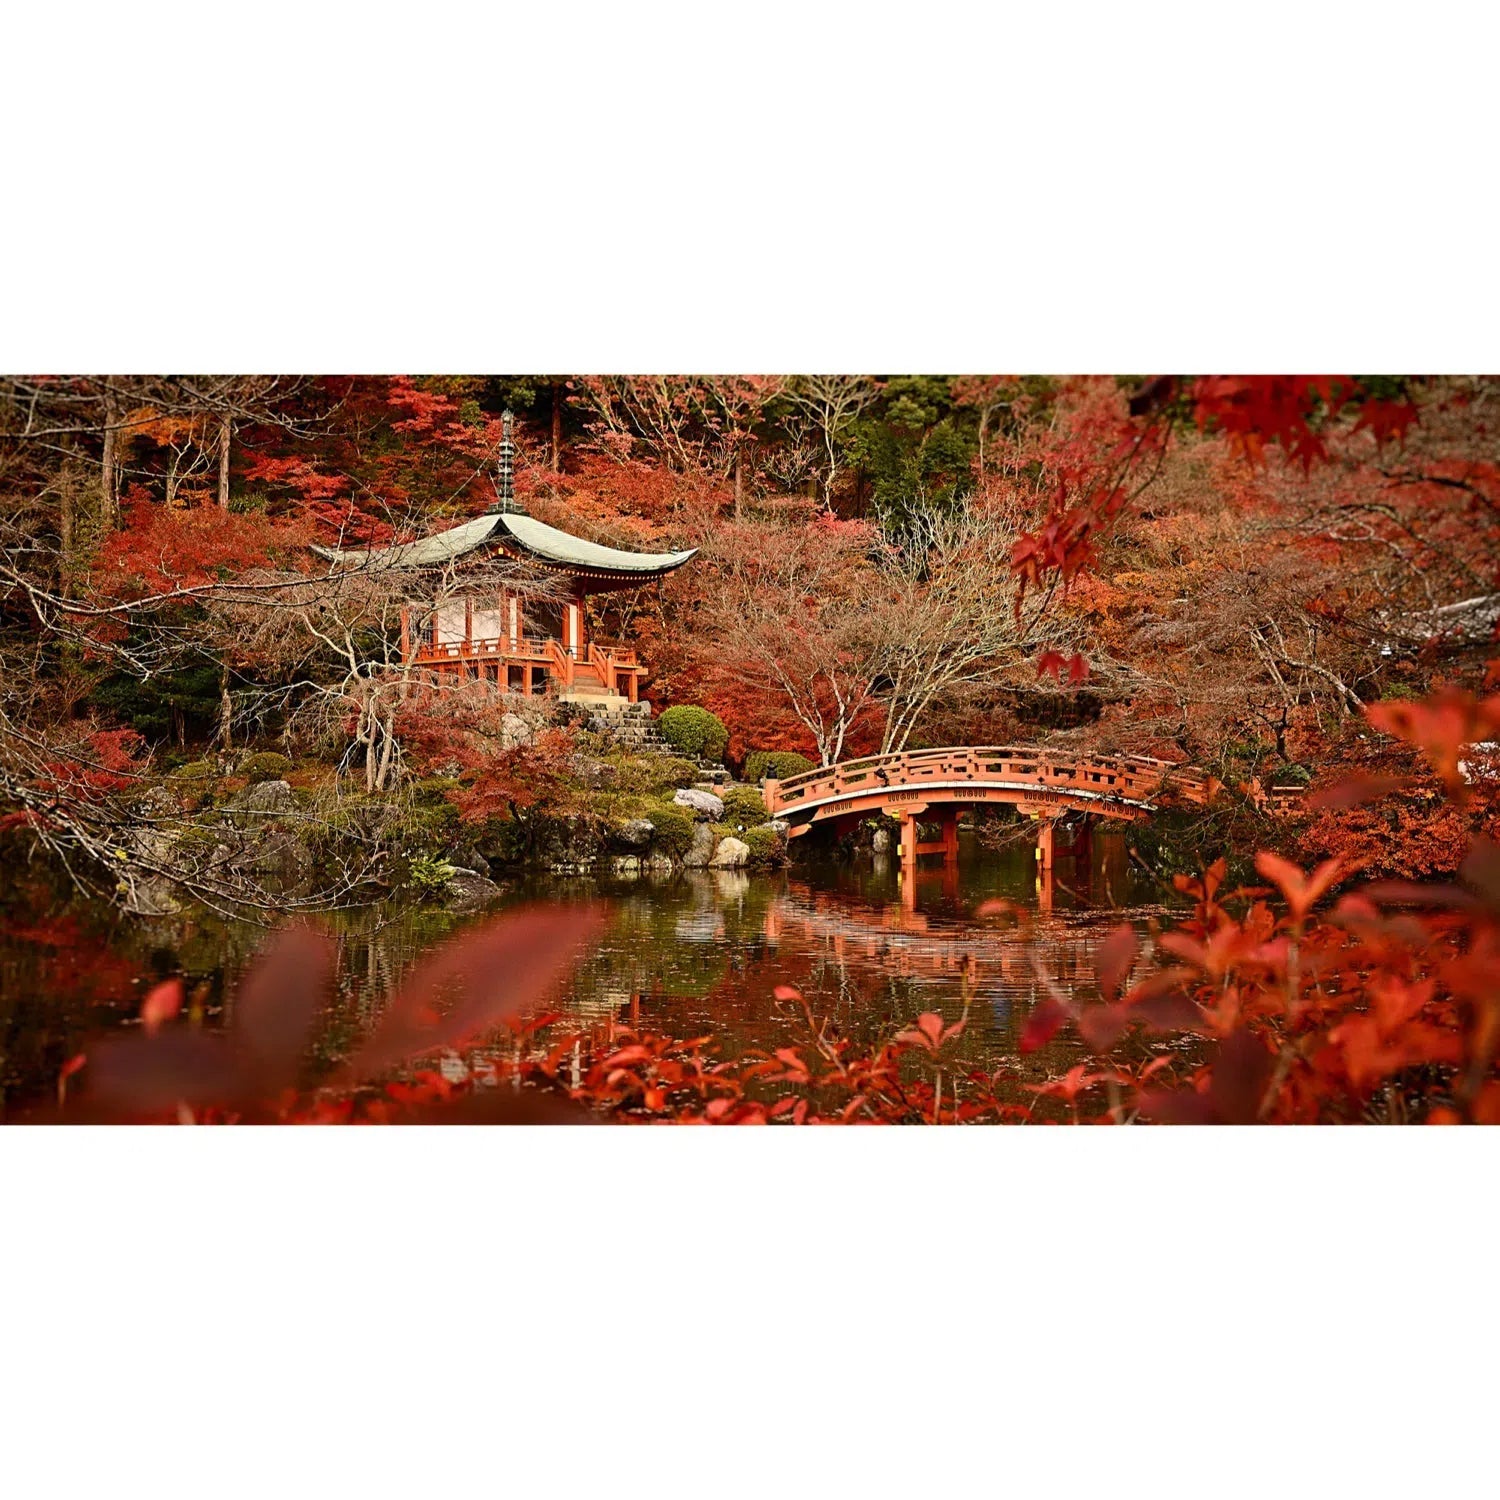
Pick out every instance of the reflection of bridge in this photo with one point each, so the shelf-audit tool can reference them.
(903, 944)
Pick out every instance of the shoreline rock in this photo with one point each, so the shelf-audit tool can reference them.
(703, 804)
(732, 854)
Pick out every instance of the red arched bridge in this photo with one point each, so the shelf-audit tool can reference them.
(1041, 783)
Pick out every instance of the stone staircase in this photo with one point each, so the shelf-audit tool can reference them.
(630, 725)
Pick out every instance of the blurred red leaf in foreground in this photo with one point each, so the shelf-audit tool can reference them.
(490, 976)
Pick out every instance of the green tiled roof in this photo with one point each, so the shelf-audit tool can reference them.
(563, 549)
(516, 533)
(429, 552)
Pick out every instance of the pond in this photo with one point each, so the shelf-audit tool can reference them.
(684, 954)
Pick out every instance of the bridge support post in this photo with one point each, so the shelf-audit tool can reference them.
(1045, 844)
(950, 836)
(1046, 849)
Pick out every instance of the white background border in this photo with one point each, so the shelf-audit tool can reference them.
(776, 187)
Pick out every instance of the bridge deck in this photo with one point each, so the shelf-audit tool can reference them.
(1123, 786)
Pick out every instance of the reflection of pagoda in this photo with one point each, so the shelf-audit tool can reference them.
(529, 646)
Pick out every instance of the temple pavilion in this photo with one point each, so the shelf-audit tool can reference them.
(519, 644)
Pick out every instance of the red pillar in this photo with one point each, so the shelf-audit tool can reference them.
(1044, 844)
(950, 836)
(1045, 882)
(909, 844)
(1046, 886)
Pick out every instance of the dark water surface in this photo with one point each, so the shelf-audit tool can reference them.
(686, 954)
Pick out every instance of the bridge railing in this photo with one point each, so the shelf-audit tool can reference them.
(1132, 778)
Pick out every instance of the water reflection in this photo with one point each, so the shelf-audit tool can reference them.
(689, 954)
(703, 952)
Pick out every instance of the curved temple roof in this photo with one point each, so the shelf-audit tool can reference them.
(562, 549)
(521, 536)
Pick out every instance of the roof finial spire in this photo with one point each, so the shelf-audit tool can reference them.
(507, 463)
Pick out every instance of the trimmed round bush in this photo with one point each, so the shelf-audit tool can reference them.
(763, 844)
(673, 828)
(693, 731)
(743, 805)
(265, 765)
(777, 764)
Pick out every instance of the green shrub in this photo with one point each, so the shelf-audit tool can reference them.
(265, 765)
(764, 846)
(195, 770)
(432, 791)
(426, 874)
(668, 772)
(426, 821)
(778, 764)
(743, 806)
(674, 828)
(650, 775)
(694, 731)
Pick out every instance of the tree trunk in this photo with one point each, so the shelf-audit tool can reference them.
(226, 710)
(367, 725)
(108, 504)
(224, 428)
(65, 528)
(557, 406)
(387, 752)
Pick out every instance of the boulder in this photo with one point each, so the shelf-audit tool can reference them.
(701, 850)
(626, 864)
(514, 732)
(273, 852)
(570, 844)
(465, 892)
(597, 775)
(272, 799)
(154, 803)
(731, 854)
(634, 834)
(703, 804)
(880, 842)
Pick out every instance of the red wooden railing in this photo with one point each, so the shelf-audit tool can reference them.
(562, 665)
(608, 659)
(1125, 779)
